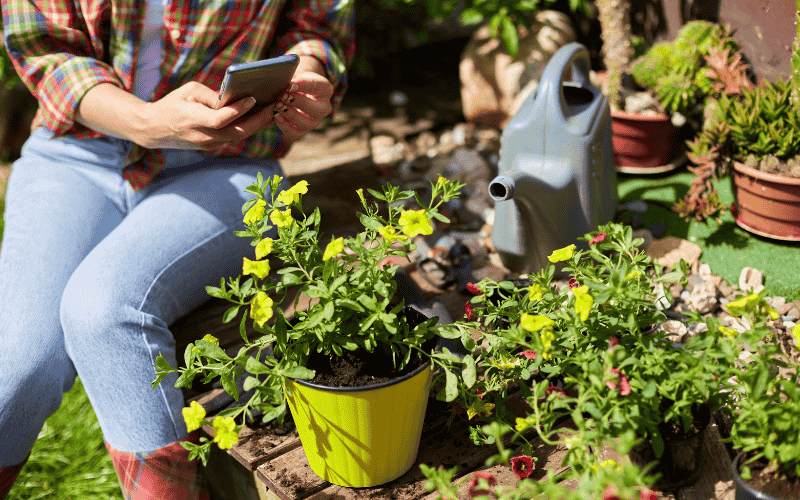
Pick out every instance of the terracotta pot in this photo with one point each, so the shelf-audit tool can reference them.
(681, 462)
(644, 142)
(767, 204)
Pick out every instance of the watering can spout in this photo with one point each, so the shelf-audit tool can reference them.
(503, 187)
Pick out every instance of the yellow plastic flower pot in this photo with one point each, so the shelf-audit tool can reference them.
(361, 436)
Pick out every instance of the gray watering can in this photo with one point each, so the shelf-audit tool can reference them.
(557, 178)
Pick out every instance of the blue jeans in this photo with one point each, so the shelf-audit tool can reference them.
(92, 274)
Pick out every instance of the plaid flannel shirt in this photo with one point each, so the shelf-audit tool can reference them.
(61, 49)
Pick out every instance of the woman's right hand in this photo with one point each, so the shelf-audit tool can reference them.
(186, 119)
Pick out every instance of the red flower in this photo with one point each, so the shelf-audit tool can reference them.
(522, 466)
(458, 409)
(550, 390)
(473, 484)
(473, 289)
(599, 238)
(573, 283)
(624, 384)
(734, 211)
(468, 310)
(528, 354)
(648, 495)
(612, 343)
(610, 494)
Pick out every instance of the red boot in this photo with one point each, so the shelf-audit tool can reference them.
(165, 473)
(7, 477)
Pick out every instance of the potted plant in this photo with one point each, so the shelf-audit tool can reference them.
(765, 410)
(354, 320)
(674, 82)
(750, 133)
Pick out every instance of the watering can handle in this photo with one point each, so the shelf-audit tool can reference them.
(572, 55)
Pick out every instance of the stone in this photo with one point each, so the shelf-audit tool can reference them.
(704, 271)
(783, 308)
(663, 300)
(493, 83)
(725, 289)
(638, 206)
(675, 330)
(751, 280)
(658, 228)
(793, 313)
(776, 301)
(385, 150)
(703, 298)
(670, 250)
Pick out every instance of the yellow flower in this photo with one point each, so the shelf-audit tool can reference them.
(281, 219)
(729, 332)
(605, 463)
(263, 248)
(389, 233)
(522, 424)
(292, 195)
(225, 433)
(583, 302)
(796, 333)
(743, 305)
(572, 441)
(534, 323)
(333, 249)
(562, 254)
(193, 415)
(633, 274)
(208, 338)
(535, 292)
(547, 337)
(772, 313)
(360, 193)
(261, 308)
(485, 408)
(256, 212)
(415, 222)
(259, 268)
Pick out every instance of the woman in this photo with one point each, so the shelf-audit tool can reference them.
(122, 206)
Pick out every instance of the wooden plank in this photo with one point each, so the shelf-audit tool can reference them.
(260, 444)
(290, 477)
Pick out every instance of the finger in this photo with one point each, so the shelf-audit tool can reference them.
(298, 119)
(309, 106)
(221, 118)
(313, 84)
(199, 93)
(290, 131)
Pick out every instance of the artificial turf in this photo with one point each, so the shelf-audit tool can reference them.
(727, 248)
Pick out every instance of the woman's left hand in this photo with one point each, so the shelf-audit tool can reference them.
(307, 101)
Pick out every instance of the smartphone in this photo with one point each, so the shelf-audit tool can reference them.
(264, 80)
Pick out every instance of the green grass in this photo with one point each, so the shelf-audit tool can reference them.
(69, 460)
(727, 248)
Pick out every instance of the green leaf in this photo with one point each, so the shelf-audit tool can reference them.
(376, 194)
(300, 372)
(230, 314)
(761, 384)
(658, 443)
(229, 385)
(186, 378)
(256, 367)
(451, 386)
(211, 350)
(369, 222)
(250, 383)
(509, 35)
(469, 374)
(650, 390)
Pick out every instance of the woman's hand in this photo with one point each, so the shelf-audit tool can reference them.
(183, 119)
(186, 119)
(307, 101)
